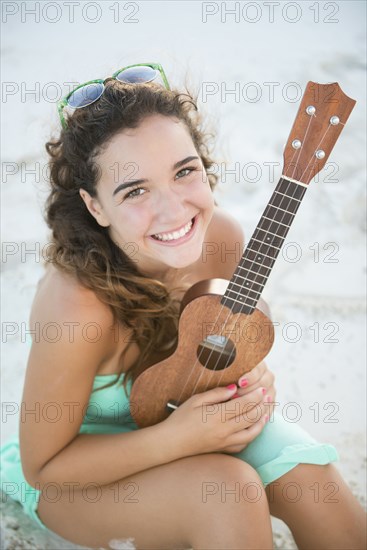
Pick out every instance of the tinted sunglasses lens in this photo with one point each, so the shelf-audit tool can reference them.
(137, 74)
(86, 95)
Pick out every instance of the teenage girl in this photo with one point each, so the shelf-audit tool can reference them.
(131, 208)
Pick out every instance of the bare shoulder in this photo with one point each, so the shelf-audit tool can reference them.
(226, 225)
(61, 299)
(72, 328)
(224, 243)
(63, 290)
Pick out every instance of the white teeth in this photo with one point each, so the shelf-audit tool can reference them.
(175, 235)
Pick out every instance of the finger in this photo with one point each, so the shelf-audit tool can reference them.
(244, 437)
(247, 415)
(271, 391)
(252, 376)
(266, 380)
(239, 406)
(251, 397)
(215, 395)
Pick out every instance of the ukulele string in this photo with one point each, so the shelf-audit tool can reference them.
(267, 231)
(241, 285)
(245, 282)
(203, 366)
(318, 145)
(300, 150)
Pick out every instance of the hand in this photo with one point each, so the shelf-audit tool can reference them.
(259, 376)
(216, 421)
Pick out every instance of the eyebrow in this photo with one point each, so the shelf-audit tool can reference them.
(131, 183)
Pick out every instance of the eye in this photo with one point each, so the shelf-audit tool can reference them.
(189, 169)
(134, 193)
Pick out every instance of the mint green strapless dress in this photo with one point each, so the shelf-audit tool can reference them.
(281, 446)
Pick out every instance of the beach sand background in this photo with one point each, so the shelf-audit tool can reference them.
(267, 54)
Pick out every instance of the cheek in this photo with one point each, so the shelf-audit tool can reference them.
(134, 220)
(207, 201)
(202, 195)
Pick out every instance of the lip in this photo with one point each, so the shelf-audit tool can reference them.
(181, 240)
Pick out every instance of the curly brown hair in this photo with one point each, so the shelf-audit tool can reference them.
(84, 249)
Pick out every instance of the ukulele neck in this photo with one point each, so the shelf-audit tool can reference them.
(245, 287)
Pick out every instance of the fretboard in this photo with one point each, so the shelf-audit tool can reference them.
(258, 259)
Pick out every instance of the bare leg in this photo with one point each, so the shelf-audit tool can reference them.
(191, 502)
(319, 508)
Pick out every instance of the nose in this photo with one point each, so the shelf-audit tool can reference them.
(170, 207)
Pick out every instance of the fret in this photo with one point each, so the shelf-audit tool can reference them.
(258, 259)
(282, 209)
(274, 239)
(247, 309)
(278, 215)
(267, 224)
(250, 271)
(257, 255)
(287, 203)
(253, 257)
(259, 269)
(264, 244)
(241, 299)
(268, 233)
(252, 261)
(290, 189)
(248, 282)
(247, 289)
(284, 195)
(275, 221)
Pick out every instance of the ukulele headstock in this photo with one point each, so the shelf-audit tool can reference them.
(322, 114)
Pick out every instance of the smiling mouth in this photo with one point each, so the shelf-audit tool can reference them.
(175, 235)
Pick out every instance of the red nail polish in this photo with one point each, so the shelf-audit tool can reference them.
(243, 383)
(268, 398)
(231, 387)
(266, 418)
(263, 390)
(235, 395)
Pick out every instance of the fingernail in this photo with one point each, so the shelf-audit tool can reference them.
(243, 383)
(266, 418)
(268, 398)
(263, 391)
(235, 395)
(231, 387)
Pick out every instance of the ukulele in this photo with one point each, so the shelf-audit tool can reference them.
(224, 327)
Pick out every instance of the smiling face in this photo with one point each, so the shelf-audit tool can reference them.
(154, 195)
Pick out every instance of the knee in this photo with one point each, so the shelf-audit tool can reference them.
(231, 467)
(229, 477)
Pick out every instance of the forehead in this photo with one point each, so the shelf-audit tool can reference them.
(157, 138)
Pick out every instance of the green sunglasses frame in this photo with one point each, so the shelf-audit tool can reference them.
(64, 102)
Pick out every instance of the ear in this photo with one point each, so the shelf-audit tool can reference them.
(94, 208)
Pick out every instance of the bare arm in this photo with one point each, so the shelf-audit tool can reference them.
(105, 458)
(58, 385)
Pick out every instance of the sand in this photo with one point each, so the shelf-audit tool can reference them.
(317, 289)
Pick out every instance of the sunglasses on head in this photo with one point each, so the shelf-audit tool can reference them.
(89, 92)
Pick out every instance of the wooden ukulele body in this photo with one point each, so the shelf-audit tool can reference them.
(210, 333)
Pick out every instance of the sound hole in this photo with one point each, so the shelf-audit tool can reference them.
(216, 352)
